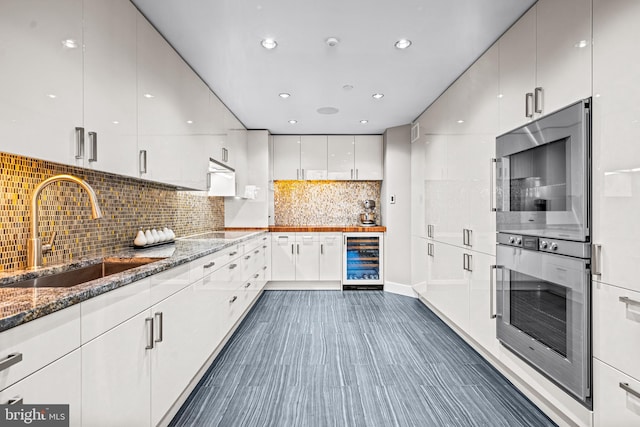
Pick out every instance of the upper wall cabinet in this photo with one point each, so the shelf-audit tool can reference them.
(358, 157)
(172, 114)
(300, 157)
(41, 85)
(110, 115)
(545, 61)
(334, 157)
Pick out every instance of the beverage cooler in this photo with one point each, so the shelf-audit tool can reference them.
(362, 260)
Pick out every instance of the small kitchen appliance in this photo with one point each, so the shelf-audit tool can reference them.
(368, 217)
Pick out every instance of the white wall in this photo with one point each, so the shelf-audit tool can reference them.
(397, 216)
(252, 213)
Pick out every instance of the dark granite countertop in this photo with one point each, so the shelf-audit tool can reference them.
(21, 305)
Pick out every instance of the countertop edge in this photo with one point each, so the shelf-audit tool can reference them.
(86, 291)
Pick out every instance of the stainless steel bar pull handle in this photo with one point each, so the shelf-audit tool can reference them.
(247, 284)
(149, 323)
(302, 173)
(159, 318)
(255, 276)
(351, 173)
(298, 248)
(596, 260)
(10, 360)
(528, 105)
(79, 143)
(492, 184)
(93, 147)
(211, 264)
(357, 173)
(321, 248)
(629, 301)
(492, 313)
(292, 249)
(232, 266)
(18, 400)
(297, 173)
(233, 299)
(538, 93)
(628, 389)
(142, 161)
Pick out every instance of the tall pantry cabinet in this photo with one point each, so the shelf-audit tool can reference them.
(616, 203)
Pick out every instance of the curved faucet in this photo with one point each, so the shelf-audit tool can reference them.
(35, 248)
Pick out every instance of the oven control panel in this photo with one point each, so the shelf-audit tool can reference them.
(542, 244)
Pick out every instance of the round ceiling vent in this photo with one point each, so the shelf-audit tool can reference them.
(327, 110)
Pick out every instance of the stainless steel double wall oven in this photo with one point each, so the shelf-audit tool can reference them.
(543, 220)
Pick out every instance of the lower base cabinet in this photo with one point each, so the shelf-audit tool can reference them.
(57, 383)
(616, 400)
(116, 376)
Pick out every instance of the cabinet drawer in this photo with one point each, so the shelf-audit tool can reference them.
(39, 342)
(108, 310)
(208, 264)
(169, 282)
(57, 384)
(614, 405)
(228, 277)
(616, 327)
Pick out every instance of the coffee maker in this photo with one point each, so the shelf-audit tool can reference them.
(368, 217)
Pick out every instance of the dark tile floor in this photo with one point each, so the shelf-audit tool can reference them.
(354, 358)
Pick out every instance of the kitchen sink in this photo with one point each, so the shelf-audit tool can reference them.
(107, 267)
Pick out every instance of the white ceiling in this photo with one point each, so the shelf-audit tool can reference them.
(220, 39)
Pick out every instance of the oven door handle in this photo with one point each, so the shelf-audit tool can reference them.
(492, 312)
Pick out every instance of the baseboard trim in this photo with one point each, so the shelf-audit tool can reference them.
(399, 289)
(311, 285)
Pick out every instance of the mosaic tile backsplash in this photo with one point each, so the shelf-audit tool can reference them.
(127, 204)
(323, 202)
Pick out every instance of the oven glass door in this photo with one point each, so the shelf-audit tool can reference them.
(543, 179)
(543, 303)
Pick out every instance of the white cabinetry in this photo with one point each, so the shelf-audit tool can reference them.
(341, 154)
(116, 375)
(57, 383)
(457, 159)
(313, 156)
(110, 116)
(545, 61)
(616, 130)
(283, 258)
(171, 101)
(27, 346)
(448, 283)
(330, 256)
(286, 157)
(295, 256)
(41, 86)
(357, 157)
(299, 157)
(368, 158)
(616, 397)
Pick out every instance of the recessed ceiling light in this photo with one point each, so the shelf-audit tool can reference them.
(581, 44)
(347, 87)
(189, 121)
(403, 43)
(460, 121)
(52, 96)
(364, 122)
(597, 95)
(269, 44)
(293, 122)
(284, 95)
(378, 95)
(148, 95)
(332, 41)
(115, 122)
(500, 96)
(70, 43)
